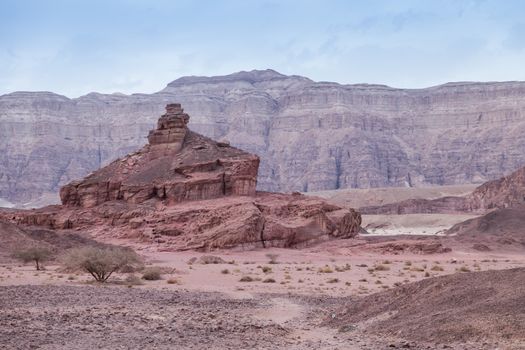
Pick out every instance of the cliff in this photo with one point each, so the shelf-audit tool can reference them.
(309, 135)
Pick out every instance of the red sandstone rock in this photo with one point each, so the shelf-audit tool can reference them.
(176, 165)
(184, 191)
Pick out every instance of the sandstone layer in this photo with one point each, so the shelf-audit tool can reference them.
(184, 191)
(176, 165)
(310, 135)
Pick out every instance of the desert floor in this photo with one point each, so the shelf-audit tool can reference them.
(243, 302)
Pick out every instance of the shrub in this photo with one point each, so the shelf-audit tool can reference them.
(225, 271)
(172, 281)
(269, 280)
(133, 280)
(381, 268)
(333, 280)
(266, 269)
(152, 274)
(211, 259)
(325, 269)
(101, 263)
(33, 254)
(246, 279)
(273, 258)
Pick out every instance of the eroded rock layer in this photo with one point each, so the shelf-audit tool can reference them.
(263, 220)
(176, 165)
(310, 135)
(184, 191)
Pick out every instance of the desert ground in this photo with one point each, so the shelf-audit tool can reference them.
(265, 299)
(402, 283)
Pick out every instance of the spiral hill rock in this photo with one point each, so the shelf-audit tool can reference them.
(185, 191)
(176, 165)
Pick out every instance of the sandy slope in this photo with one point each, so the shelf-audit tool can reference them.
(356, 198)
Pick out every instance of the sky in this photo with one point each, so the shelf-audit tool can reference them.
(74, 47)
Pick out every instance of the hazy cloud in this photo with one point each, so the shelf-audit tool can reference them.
(74, 47)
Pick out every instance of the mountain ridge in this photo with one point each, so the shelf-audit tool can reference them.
(310, 135)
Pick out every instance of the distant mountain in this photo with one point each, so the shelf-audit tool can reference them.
(310, 136)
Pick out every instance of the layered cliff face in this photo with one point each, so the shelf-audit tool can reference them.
(310, 135)
(175, 166)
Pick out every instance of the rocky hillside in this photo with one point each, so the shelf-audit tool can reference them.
(185, 191)
(310, 135)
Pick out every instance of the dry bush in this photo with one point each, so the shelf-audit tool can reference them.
(269, 280)
(246, 279)
(133, 280)
(152, 274)
(325, 269)
(381, 268)
(101, 263)
(34, 254)
(211, 259)
(266, 269)
(172, 281)
(273, 258)
(225, 271)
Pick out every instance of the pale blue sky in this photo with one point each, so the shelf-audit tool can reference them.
(74, 47)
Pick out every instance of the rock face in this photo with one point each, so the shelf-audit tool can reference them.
(176, 165)
(185, 191)
(310, 135)
(506, 192)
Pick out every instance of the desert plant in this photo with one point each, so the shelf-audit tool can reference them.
(325, 269)
(269, 280)
(225, 271)
(246, 279)
(33, 254)
(381, 268)
(152, 274)
(133, 280)
(101, 263)
(273, 258)
(172, 281)
(266, 269)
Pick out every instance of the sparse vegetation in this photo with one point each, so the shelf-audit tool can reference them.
(266, 269)
(133, 280)
(246, 279)
(269, 280)
(225, 271)
(325, 269)
(101, 263)
(152, 274)
(463, 269)
(172, 281)
(33, 254)
(381, 267)
(273, 258)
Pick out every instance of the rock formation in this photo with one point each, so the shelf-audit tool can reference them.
(176, 165)
(310, 135)
(185, 191)
(506, 192)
